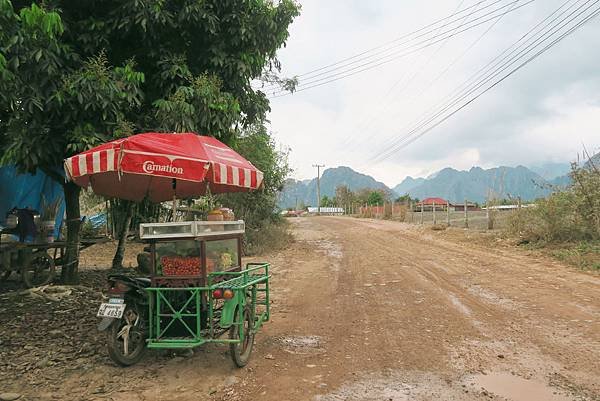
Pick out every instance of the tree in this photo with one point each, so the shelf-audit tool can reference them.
(55, 104)
(327, 201)
(375, 198)
(344, 196)
(75, 74)
(257, 208)
(406, 199)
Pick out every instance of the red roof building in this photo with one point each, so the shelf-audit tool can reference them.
(433, 201)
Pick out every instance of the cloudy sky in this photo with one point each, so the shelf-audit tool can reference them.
(545, 112)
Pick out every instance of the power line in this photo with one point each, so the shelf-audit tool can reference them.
(589, 18)
(397, 50)
(491, 64)
(586, 19)
(462, 94)
(416, 71)
(337, 63)
(393, 56)
(388, 105)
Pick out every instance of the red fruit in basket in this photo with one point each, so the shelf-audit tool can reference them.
(218, 293)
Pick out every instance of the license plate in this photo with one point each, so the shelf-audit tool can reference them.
(111, 310)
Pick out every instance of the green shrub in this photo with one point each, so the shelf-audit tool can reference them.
(571, 215)
(272, 236)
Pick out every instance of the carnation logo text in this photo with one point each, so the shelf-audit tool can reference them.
(149, 167)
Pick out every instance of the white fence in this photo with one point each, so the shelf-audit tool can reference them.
(327, 210)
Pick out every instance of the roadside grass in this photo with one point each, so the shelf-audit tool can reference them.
(270, 237)
(584, 255)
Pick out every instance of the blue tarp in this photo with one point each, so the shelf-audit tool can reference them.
(98, 220)
(26, 190)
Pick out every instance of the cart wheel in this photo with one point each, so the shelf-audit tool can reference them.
(126, 339)
(5, 275)
(240, 352)
(40, 270)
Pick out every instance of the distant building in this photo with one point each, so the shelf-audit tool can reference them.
(430, 203)
(460, 207)
(508, 207)
(329, 211)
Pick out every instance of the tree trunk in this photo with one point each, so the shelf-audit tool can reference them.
(70, 274)
(117, 262)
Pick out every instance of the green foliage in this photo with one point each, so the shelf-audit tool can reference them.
(571, 215)
(75, 74)
(257, 208)
(327, 202)
(56, 103)
(406, 199)
(584, 254)
(375, 198)
(200, 107)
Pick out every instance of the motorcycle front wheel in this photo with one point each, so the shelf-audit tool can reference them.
(126, 339)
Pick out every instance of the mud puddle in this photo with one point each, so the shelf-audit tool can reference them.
(515, 388)
(398, 386)
(302, 345)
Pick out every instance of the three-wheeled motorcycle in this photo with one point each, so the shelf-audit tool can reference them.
(198, 293)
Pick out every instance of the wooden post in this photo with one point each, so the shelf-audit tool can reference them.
(412, 215)
(487, 214)
(421, 212)
(519, 202)
(105, 211)
(434, 219)
(466, 215)
(393, 204)
(448, 213)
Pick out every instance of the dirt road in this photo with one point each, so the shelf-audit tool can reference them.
(376, 310)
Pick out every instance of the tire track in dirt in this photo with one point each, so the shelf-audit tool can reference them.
(404, 304)
(534, 324)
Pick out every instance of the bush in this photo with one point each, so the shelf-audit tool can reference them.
(585, 255)
(571, 215)
(272, 236)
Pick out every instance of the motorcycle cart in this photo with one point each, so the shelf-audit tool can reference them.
(199, 291)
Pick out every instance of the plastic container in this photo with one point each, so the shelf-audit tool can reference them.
(215, 215)
(227, 214)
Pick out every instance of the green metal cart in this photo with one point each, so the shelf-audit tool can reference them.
(200, 292)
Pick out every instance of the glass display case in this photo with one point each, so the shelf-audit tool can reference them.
(190, 229)
(184, 253)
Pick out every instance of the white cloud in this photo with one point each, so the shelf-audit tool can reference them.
(542, 113)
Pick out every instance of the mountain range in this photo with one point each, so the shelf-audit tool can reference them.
(305, 192)
(475, 184)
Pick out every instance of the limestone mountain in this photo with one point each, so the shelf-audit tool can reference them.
(477, 183)
(305, 192)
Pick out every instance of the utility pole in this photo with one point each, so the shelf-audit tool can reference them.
(318, 166)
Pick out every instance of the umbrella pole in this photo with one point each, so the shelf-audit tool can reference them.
(174, 185)
(174, 208)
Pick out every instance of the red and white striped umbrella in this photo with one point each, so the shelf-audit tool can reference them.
(162, 166)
